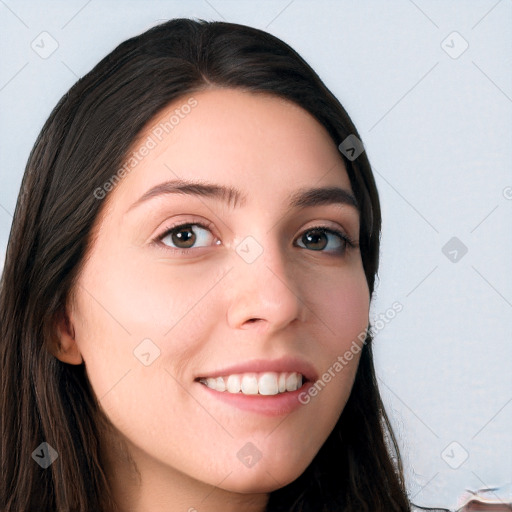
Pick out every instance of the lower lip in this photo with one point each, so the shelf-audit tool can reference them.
(267, 405)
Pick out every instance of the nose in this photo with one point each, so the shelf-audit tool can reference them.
(265, 294)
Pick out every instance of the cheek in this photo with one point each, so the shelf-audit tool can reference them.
(130, 309)
(339, 306)
(145, 298)
(343, 306)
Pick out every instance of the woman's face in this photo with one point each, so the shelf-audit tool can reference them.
(233, 272)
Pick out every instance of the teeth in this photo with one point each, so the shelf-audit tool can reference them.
(291, 382)
(282, 382)
(267, 383)
(250, 384)
(219, 383)
(234, 384)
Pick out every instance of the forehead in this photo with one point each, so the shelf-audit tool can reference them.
(255, 142)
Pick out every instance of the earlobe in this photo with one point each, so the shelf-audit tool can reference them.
(65, 348)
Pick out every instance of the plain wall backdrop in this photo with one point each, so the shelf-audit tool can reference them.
(429, 86)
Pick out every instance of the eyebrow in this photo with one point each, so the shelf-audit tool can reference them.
(232, 196)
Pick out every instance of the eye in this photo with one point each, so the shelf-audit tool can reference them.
(324, 239)
(188, 236)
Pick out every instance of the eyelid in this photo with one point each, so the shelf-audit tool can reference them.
(193, 221)
(351, 242)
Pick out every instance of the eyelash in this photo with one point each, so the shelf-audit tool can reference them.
(350, 243)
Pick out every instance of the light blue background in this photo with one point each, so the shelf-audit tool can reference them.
(438, 132)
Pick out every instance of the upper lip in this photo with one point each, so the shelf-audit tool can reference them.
(285, 364)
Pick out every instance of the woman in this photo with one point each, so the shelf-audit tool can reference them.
(185, 298)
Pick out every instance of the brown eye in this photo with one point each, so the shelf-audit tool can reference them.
(187, 236)
(322, 239)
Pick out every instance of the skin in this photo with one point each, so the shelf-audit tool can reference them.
(205, 307)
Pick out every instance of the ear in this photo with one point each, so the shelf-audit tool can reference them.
(65, 348)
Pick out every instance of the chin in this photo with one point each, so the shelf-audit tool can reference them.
(261, 480)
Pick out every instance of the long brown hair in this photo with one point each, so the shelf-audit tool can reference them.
(86, 138)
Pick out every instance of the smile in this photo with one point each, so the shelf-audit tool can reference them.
(266, 383)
